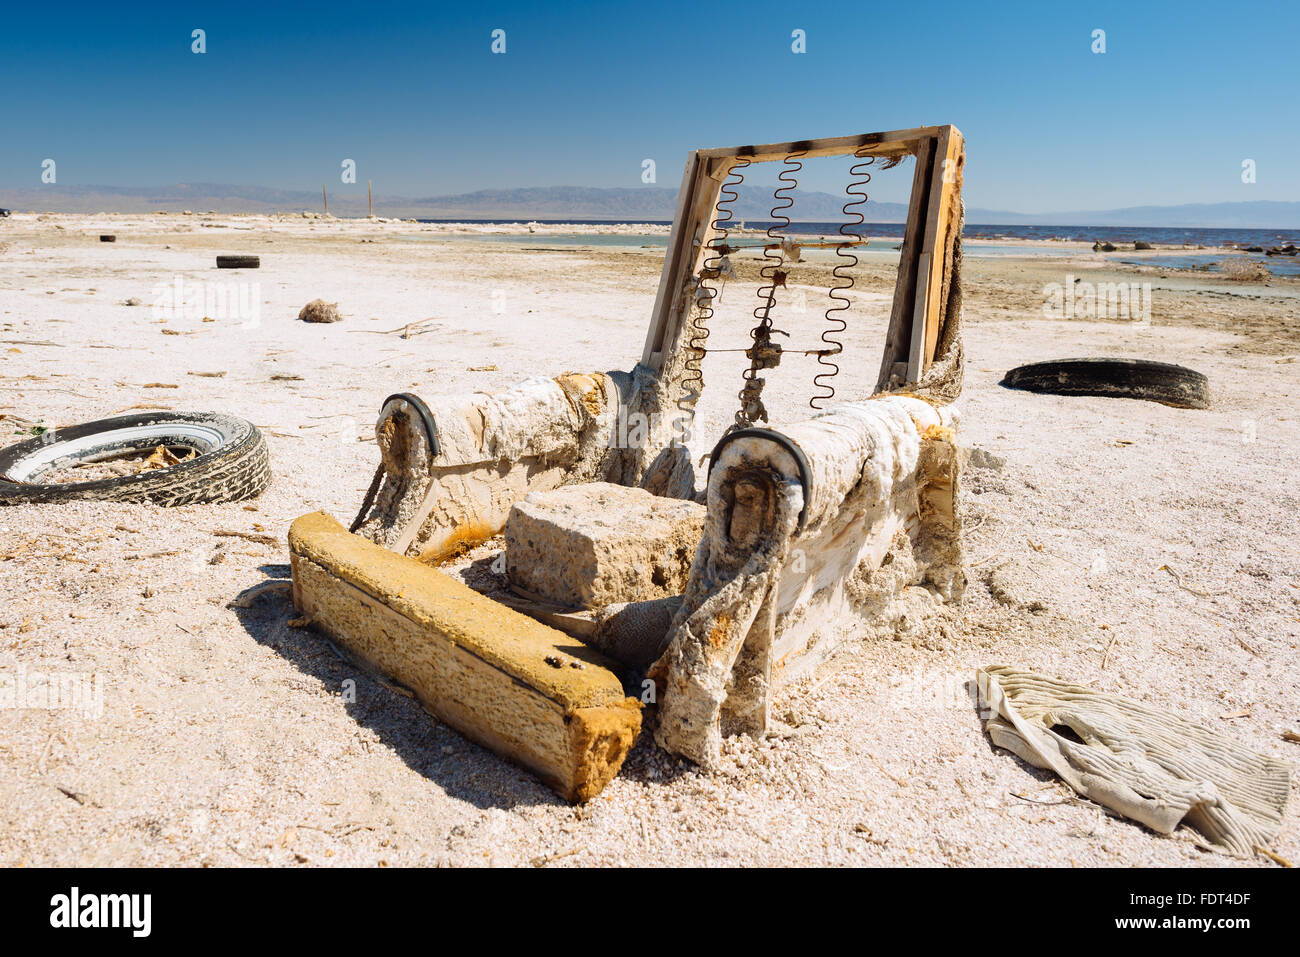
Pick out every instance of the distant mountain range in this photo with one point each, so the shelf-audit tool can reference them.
(619, 204)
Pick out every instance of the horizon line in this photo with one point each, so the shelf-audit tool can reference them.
(357, 196)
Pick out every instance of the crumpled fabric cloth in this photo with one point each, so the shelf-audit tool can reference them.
(1140, 762)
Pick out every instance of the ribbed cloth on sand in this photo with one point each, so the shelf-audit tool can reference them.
(1145, 764)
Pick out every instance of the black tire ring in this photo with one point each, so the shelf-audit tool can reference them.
(237, 469)
(1161, 382)
(238, 262)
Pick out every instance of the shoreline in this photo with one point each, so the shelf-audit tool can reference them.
(521, 227)
(1163, 260)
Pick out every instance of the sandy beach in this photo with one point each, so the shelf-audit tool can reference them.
(1140, 549)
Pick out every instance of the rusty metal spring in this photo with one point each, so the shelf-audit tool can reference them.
(860, 176)
(692, 384)
(761, 334)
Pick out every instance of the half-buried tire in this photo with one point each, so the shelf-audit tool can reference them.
(238, 262)
(1116, 378)
(229, 462)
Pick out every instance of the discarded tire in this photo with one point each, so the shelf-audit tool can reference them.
(229, 464)
(107, 238)
(238, 262)
(1118, 378)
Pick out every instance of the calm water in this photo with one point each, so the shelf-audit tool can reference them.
(1158, 235)
(1208, 261)
(888, 235)
(1161, 235)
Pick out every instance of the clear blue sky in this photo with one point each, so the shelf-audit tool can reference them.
(1184, 92)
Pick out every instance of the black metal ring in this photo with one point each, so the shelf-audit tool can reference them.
(800, 460)
(430, 427)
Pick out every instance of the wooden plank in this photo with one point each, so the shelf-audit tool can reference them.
(945, 187)
(577, 622)
(664, 297)
(691, 248)
(528, 692)
(880, 144)
(898, 337)
(916, 342)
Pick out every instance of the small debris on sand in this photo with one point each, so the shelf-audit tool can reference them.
(130, 464)
(250, 536)
(318, 310)
(1018, 584)
(984, 459)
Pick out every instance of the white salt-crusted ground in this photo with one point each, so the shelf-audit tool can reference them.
(1161, 545)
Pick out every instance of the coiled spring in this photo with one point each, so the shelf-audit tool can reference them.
(860, 176)
(692, 383)
(763, 354)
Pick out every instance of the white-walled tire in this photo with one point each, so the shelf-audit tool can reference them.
(230, 462)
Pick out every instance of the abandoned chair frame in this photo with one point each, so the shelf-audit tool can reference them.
(845, 519)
